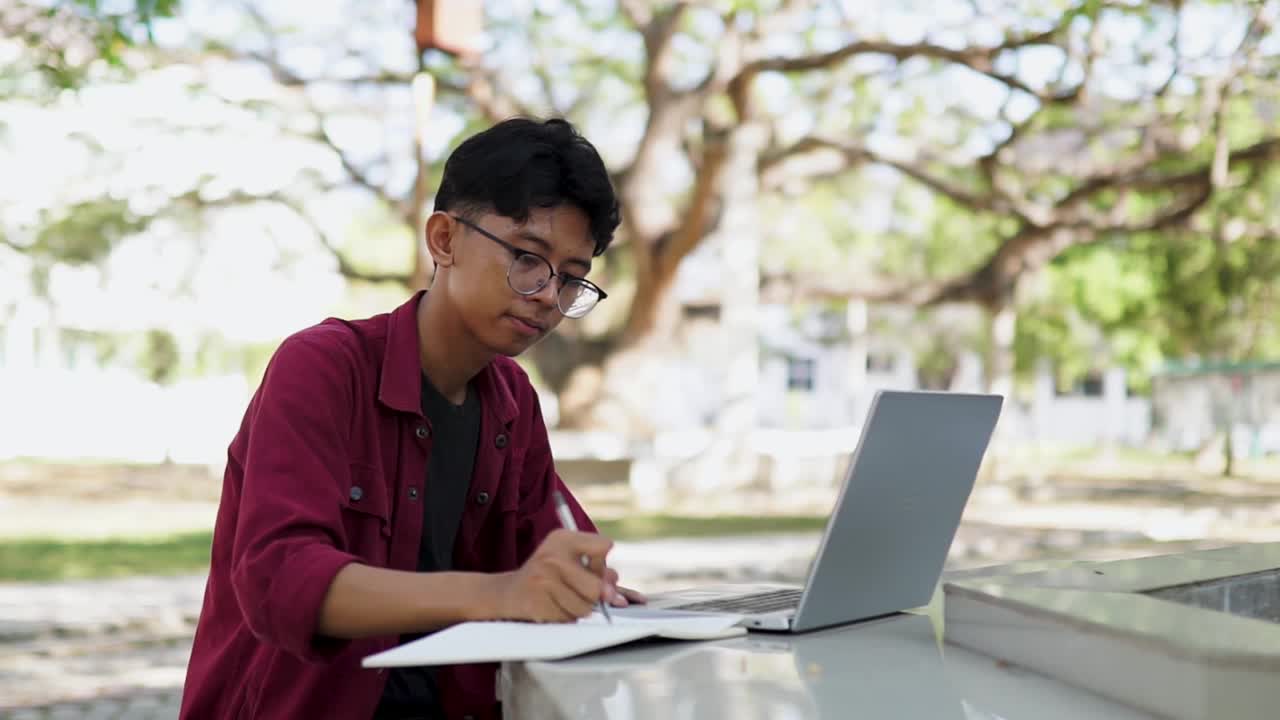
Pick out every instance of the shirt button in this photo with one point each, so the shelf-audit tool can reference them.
(500, 441)
(356, 493)
(413, 493)
(482, 498)
(422, 432)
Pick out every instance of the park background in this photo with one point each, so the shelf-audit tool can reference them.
(1070, 203)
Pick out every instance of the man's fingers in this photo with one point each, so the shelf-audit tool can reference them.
(587, 550)
(580, 580)
(634, 596)
(570, 603)
(609, 592)
(581, 576)
(594, 546)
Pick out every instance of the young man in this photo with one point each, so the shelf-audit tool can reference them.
(392, 475)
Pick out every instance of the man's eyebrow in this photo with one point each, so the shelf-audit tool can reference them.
(545, 246)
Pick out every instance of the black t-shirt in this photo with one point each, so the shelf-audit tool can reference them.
(455, 430)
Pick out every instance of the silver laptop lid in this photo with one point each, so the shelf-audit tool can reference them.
(898, 509)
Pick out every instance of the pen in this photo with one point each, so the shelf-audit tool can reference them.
(568, 523)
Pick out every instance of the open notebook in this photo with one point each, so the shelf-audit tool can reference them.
(475, 642)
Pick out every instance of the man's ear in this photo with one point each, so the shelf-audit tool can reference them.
(441, 231)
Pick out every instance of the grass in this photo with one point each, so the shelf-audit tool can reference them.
(652, 527)
(45, 560)
(74, 559)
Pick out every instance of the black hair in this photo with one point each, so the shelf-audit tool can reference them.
(521, 164)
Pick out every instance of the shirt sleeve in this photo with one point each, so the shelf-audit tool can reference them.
(289, 531)
(537, 508)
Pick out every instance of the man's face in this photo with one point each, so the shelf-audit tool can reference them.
(502, 319)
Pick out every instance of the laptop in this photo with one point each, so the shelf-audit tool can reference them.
(892, 525)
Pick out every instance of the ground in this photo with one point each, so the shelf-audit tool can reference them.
(117, 647)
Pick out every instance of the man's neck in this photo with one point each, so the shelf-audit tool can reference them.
(449, 356)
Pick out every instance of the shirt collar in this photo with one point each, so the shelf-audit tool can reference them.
(400, 387)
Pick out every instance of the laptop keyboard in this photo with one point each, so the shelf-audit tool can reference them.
(763, 602)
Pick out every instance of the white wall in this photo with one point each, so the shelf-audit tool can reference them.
(837, 398)
(57, 403)
(1049, 419)
(113, 415)
(1089, 421)
(1194, 409)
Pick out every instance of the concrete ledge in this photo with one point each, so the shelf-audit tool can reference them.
(1114, 629)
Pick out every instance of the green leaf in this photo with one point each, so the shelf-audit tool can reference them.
(86, 232)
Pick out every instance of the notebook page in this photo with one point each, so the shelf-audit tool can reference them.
(500, 641)
(671, 624)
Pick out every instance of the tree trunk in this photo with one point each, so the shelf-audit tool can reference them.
(628, 389)
(610, 384)
(653, 311)
(732, 460)
(1228, 454)
(999, 371)
(738, 238)
(1000, 354)
(415, 215)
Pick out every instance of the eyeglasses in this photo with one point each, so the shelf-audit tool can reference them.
(530, 272)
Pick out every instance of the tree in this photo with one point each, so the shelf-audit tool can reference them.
(1020, 133)
(63, 41)
(1085, 164)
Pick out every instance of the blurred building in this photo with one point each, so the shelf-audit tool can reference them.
(816, 372)
(102, 364)
(1196, 402)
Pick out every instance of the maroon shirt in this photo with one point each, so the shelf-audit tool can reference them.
(327, 469)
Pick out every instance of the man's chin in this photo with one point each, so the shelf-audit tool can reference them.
(516, 346)
(528, 344)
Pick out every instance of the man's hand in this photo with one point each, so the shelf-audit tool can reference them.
(626, 597)
(553, 585)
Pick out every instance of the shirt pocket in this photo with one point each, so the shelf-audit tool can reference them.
(366, 514)
(497, 547)
(510, 487)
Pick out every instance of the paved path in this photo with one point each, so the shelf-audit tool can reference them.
(111, 649)
(117, 649)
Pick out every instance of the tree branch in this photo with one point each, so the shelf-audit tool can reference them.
(792, 287)
(239, 198)
(657, 34)
(791, 16)
(352, 170)
(1138, 174)
(637, 13)
(345, 268)
(989, 161)
(852, 155)
(978, 59)
(701, 207)
(6, 242)
(1034, 245)
(271, 59)
(670, 112)
(1175, 44)
(287, 77)
(484, 90)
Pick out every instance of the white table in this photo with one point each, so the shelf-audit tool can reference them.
(888, 668)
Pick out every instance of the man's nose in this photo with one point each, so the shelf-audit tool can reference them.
(549, 292)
